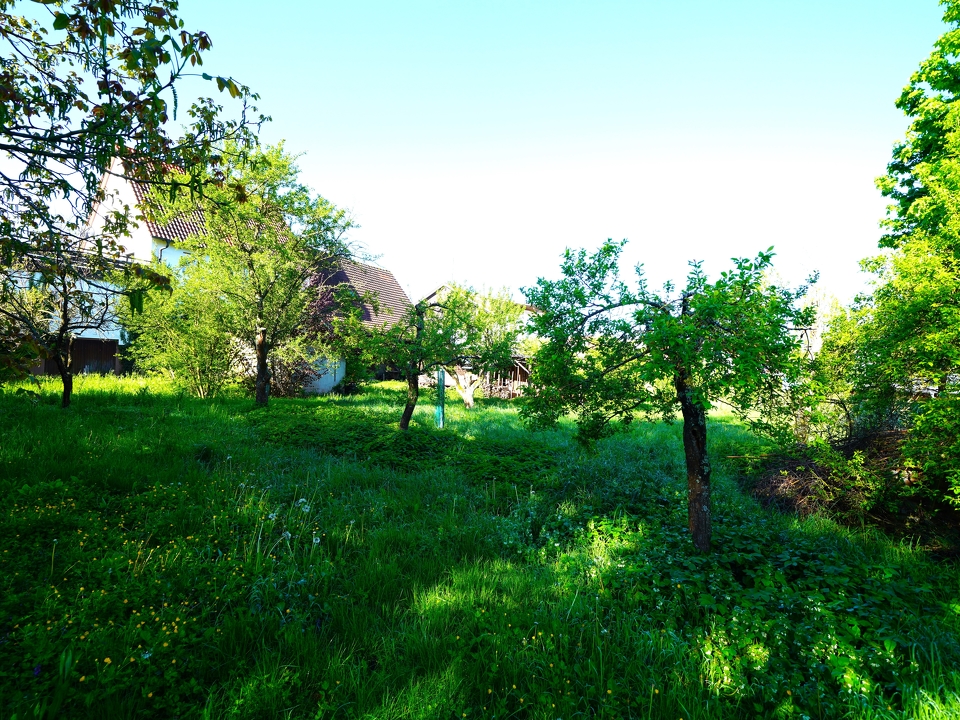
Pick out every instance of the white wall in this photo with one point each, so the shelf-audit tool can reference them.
(119, 194)
(333, 371)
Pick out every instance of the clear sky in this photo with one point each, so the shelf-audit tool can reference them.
(474, 141)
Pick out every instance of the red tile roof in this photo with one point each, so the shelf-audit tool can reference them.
(179, 228)
(380, 283)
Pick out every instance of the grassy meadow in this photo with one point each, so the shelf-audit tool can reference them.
(168, 557)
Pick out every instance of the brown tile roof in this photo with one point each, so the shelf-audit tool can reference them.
(378, 282)
(179, 228)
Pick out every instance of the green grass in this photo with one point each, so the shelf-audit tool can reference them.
(311, 561)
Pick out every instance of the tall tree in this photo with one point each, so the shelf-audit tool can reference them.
(83, 82)
(613, 351)
(263, 251)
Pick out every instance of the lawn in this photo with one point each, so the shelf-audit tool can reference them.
(163, 556)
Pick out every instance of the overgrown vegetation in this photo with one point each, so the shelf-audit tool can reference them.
(892, 361)
(164, 556)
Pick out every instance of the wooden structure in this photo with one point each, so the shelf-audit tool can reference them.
(510, 384)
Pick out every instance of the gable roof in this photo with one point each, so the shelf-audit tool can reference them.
(393, 301)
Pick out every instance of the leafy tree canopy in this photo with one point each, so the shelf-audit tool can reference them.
(929, 100)
(84, 82)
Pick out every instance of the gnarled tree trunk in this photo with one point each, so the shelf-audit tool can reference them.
(466, 383)
(698, 465)
(63, 358)
(413, 394)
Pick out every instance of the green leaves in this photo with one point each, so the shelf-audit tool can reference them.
(60, 21)
(612, 351)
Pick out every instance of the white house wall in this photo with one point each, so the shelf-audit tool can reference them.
(119, 193)
(333, 371)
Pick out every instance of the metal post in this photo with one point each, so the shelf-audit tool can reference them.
(441, 386)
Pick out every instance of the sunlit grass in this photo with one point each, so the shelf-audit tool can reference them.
(162, 556)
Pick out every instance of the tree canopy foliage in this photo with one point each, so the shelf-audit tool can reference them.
(929, 100)
(613, 351)
(85, 82)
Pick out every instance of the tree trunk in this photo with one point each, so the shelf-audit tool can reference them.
(263, 370)
(413, 394)
(698, 467)
(66, 372)
(465, 386)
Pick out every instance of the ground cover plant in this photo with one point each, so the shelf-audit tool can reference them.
(165, 556)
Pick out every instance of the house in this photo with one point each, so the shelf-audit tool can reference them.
(98, 351)
(392, 305)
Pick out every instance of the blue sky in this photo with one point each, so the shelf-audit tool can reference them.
(474, 141)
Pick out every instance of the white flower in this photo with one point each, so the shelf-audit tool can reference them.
(306, 508)
(316, 540)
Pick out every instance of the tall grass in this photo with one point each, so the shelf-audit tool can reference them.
(162, 556)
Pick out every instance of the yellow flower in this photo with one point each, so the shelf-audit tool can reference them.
(107, 660)
(83, 678)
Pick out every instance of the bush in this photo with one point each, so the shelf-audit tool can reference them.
(932, 447)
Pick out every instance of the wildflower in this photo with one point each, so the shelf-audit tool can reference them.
(316, 540)
(107, 660)
(146, 655)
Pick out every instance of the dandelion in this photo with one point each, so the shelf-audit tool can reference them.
(316, 540)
